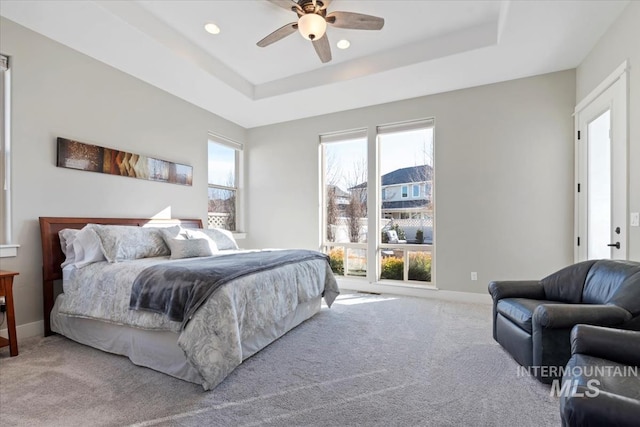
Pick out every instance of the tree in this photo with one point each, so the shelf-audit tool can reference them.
(332, 211)
(357, 207)
(331, 179)
(354, 213)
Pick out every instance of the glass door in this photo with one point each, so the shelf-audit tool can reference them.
(601, 173)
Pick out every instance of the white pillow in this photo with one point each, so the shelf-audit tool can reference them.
(126, 242)
(67, 236)
(87, 247)
(174, 232)
(190, 248)
(223, 238)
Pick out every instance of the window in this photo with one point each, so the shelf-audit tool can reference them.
(373, 225)
(224, 166)
(6, 247)
(344, 183)
(406, 156)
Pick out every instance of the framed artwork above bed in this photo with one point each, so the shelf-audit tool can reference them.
(93, 158)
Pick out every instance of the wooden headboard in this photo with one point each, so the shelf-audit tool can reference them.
(53, 257)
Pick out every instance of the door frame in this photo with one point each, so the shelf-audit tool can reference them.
(612, 91)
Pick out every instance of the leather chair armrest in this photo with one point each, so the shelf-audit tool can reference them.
(616, 345)
(531, 289)
(605, 409)
(560, 315)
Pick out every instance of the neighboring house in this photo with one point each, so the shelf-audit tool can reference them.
(341, 198)
(406, 193)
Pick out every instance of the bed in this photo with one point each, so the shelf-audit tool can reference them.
(102, 303)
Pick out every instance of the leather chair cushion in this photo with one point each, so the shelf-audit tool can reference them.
(567, 284)
(617, 283)
(520, 310)
(611, 375)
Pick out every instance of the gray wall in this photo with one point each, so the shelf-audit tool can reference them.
(504, 178)
(60, 92)
(620, 42)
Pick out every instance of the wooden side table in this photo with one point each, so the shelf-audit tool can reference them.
(6, 291)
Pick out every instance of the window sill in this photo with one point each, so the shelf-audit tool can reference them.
(8, 251)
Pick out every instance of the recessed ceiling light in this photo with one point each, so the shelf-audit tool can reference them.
(212, 28)
(343, 44)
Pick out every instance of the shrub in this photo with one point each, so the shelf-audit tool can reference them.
(420, 266)
(420, 236)
(336, 260)
(392, 268)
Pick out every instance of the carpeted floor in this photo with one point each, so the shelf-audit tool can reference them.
(369, 360)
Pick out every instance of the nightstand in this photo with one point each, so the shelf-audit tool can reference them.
(6, 291)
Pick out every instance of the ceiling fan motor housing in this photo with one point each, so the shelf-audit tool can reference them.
(309, 7)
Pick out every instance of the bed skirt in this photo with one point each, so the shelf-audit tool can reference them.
(159, 350)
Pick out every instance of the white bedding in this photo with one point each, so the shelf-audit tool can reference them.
(255, 309)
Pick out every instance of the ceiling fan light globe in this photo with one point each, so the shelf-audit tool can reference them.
(312, 26)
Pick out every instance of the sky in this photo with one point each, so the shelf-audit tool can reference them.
(221, 164)
(397, 150)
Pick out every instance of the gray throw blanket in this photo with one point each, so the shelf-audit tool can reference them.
(178, 289)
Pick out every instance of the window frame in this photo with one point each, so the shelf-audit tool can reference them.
(415, 187)
(326, 245)
(7, 247)
(238, 181)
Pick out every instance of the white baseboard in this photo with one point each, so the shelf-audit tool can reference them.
(27, 330)
(415, 291)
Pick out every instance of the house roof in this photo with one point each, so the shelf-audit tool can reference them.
(403, 176)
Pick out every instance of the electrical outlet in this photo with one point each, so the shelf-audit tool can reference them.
(635, 219)
(474, 275)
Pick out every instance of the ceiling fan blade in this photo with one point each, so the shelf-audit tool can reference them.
(323, 49)
(325, 4)
(279, 34)
(355, 21)
(286, 4)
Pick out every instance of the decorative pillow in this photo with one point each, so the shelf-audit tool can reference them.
(67, 236)
(126, 242)
(174, 232)
(87, 247)
(223, 238)
(190, 248)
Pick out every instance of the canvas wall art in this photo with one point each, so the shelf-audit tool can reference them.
(93, 158)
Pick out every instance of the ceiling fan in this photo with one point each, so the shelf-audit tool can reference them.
(312, 24)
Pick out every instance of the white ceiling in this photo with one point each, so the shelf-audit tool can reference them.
(425, 47)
